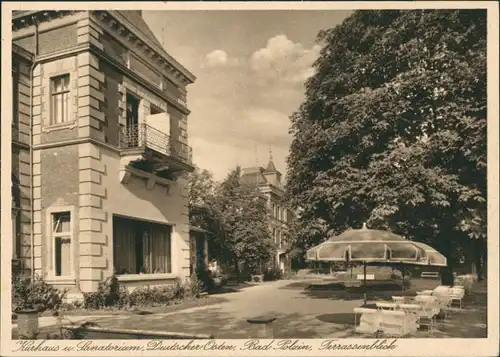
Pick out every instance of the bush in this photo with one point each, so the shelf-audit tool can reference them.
(205, 279)
(110, 294)
(35, 294)
(193, 289)
(272, 274)
(257, 278)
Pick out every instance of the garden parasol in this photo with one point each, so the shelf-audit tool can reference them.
(371, 246)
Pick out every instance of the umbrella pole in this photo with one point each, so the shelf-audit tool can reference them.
(364, 278)
(403, 277)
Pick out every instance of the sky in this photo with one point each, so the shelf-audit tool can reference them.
(250, 67)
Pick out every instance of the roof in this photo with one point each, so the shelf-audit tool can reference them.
(20, 13)
(135, 19)
(271, 167)
(135, 22)
(253, 175)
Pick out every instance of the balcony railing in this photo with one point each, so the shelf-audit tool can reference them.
(145, 136)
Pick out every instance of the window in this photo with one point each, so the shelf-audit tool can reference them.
(132, 132)
(61, 235)
(60, 99)
(132, 110)
(141, 247)
(274, 235)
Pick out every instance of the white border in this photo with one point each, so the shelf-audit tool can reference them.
(406, 347)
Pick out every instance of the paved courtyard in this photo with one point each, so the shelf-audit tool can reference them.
(300, 313)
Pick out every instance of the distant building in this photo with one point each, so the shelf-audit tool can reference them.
(268, 180)
(100, 151)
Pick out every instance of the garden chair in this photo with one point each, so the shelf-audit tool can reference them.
(396, 323)
(448, 295)
(456, 294)
(466, 281)
(420, 316)
(430, 309)
(430, 304)
(369, 321)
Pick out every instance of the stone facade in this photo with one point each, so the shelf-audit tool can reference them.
(21, 172)
(79, 165)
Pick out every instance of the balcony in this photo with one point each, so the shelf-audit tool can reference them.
(152, 150)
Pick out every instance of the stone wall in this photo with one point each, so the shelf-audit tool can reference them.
(21, 159)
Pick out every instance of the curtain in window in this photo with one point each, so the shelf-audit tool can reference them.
(124, 247)
(157, 249)
(153, 239)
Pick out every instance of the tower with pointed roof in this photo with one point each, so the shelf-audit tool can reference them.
(268, 181)
(108, 152)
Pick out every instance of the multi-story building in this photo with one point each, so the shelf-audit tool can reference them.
(100, 150)
(268, 180)
(21, 171)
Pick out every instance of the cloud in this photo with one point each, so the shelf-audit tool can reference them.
(284, 60)
(216, 58)
(235, 118)
(220, 58)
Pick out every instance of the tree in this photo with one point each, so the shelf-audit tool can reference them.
(242, 212)
(201, 193)
(202, 212)
(201, 186)
(392, 131)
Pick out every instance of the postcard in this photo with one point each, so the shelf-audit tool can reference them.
(250, 178)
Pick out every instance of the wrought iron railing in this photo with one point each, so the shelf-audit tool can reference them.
(145, 136)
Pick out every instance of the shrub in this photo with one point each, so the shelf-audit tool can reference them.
(109, 293)
(193, 289)
(272, 274)
(205, 279)
(35, 294)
